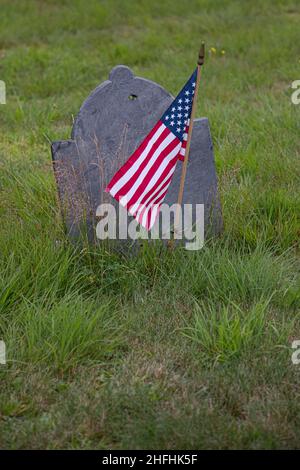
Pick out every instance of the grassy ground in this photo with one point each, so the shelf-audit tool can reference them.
(179, 350)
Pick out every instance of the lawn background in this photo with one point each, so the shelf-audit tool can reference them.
(168, 350)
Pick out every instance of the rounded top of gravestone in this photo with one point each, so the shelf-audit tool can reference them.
(120, 73)
(122, 107)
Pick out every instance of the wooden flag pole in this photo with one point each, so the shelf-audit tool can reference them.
(188, 143)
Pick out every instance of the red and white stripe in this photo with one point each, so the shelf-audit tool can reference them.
(143, 181)
(185, 138)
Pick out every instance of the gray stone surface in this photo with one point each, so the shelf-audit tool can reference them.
(110, 125)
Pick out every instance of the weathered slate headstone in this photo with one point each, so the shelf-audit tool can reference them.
(110, 125)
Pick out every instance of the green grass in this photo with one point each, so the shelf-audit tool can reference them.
(168, 349)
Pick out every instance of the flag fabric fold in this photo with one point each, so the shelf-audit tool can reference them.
(141, 184)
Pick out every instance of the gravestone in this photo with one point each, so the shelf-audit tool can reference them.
(110, 125)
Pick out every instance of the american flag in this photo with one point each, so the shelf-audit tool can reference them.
(141, 184)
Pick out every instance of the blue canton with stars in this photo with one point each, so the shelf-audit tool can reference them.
(177, 115)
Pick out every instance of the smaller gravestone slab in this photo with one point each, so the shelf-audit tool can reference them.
(111, 124)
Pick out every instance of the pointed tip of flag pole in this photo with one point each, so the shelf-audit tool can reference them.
(201, 54)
